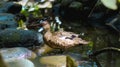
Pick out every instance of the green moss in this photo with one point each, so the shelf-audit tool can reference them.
(71, 62)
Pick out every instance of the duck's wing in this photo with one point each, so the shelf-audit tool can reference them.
(67, 39)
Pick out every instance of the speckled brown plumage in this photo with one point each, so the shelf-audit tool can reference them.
(61, 39)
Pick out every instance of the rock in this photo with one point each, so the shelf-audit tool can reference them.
(20, 38)
(58, 61)
(80, 59)
(51, 61)
(14, 9)
(2, 62)
(7, 21)
(20, 63)
(16, 63)
(10, 7)
(76, 5)
(66, 2)
(7, 17)
(70, 10)
(9, 54)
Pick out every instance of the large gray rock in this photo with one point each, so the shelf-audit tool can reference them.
(20, 38)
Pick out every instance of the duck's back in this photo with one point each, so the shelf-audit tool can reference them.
(63, 39)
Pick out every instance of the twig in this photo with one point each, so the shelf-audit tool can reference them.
(107, 49)
(93, 8)
(96, 53)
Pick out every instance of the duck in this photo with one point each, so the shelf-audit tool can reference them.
(60, 39)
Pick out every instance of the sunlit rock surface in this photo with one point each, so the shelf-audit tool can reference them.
(15, 63)
(20, 63)
(9, 54)
(56, 61)
(20, 38)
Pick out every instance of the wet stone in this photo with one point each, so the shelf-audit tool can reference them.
(55, 61)
(7, 17)
(80, 60)
(20, 38)
(20, 63)
(10, 7)
(7, 21)
(16, 53)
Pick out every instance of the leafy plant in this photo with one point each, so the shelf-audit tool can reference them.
(21, 25)
(33, 9)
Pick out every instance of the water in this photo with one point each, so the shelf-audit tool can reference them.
(101, 37)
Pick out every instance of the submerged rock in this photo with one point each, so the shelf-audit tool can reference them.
(9, 54)
(20, 38)
(81, 60)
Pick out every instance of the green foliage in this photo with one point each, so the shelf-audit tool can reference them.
(55, 27)
(71, 62)
(52, 26)
(33, 9)
(24, 11)
(20, 23)
(111, 4)
(90, 45)
(36, 12)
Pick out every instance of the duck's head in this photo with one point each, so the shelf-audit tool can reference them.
(44, 23)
